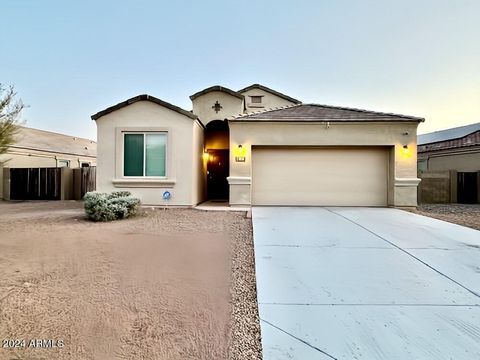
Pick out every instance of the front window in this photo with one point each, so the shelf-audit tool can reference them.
(144, 154)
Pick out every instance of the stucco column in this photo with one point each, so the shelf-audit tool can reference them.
(406, 180)
(240, 180)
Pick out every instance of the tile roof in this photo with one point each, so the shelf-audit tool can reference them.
(448, 134)
(271, 91)
(35, 139)
(217, 88)
(144, 97)
(317, 112)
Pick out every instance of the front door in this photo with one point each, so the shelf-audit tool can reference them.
(217, 173)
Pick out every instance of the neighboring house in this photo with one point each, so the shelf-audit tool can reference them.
(44, 149)
(449, 162)
(256, 146)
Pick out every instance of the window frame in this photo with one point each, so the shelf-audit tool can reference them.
(260, 97)
(252, 104)
(144, 133)
(63, 161)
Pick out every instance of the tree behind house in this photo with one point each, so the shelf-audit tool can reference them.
(10, 109)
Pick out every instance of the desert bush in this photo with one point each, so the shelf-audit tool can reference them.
(118, 194)
(112, 206)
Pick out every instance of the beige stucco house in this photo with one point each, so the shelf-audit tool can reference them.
(256, 146)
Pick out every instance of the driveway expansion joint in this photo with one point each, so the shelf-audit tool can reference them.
(392, 305)
(406, 252)
(298, 339)
(333, 247)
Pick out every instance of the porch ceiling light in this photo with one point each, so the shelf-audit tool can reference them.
(240, 153)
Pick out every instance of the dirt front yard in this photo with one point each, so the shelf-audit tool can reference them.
(461, 214)
(175, 284)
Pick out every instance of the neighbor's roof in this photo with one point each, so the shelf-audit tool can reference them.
(271, 91)
(217, 88)
(448, 134)
(35, 139)
(144, 97)
(316, 112)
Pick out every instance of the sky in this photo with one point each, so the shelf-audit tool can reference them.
(71, 59)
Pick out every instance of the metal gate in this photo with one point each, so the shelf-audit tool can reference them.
(35, 183)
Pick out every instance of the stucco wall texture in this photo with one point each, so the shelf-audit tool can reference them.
(184, 154)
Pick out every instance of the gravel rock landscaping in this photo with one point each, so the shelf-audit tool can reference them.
(461, 214)
(245, 329)
(174, 284)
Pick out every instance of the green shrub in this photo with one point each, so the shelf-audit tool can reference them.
(108, 207)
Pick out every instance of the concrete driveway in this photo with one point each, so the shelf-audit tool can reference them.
(366, 283)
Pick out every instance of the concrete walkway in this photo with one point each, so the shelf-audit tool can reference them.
(366, 283)
(220, 206)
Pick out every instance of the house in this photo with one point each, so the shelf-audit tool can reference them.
(41, 150)
(449, 163)
(256, 146)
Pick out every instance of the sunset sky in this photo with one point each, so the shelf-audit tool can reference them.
(69, 60)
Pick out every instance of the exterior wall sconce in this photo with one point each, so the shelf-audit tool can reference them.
(205, 155)
(406, 151)
(208, 156)
(240, 153)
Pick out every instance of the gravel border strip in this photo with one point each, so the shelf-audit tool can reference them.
(461, 214)
(244, 339)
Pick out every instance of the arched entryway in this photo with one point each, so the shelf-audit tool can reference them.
(217, 144)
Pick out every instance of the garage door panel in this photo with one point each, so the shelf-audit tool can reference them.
(316, 176)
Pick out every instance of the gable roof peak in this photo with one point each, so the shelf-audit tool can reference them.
(143, 97)
(217, 88)
(271, 91)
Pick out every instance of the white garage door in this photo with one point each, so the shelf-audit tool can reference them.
(320, 176)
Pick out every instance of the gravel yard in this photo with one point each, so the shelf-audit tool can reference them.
(174, 284)
(461, 214)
